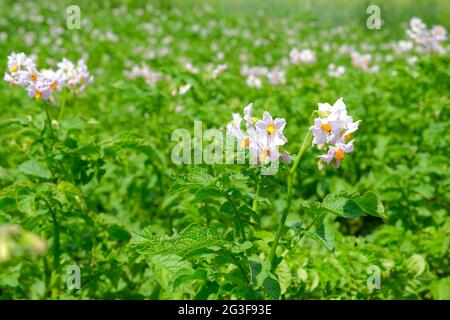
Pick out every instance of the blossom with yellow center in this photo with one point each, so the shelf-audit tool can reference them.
(14, 68)
(271, 128)
(339, 154)
(326, 127)
(245, 143)
(37, 95)
(265, 153)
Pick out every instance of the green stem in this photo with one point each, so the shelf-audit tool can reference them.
(239, 224)
(49, 121)
(255, 201)
(56, 235)
(305, 144)
(63, 105)
(56, 250)
(290, 183)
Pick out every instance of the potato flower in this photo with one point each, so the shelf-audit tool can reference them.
(40, 85)
(333, 130)
(262, 137)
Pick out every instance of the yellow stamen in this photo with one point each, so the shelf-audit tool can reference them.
(14, 68)
(326, 127)
(339, 154)
(347, 138)
(245, 143)
(265, 154)
(53, 86)
(38, 95)
(33, 76)
(271, 128)
(82, 80)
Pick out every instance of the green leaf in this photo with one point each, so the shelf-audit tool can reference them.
(324, 235)
(36, 169)
(192, 238)
(259, 270)
(284, 275)
(353, 205)
(119, 233)
(370, 204)
(26, 204)
(416, 264)
(167, 268)
(441, 289)
(272, 287)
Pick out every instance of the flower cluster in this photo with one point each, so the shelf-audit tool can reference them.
(304, 56)
(335, 71)
(333, 129)
(262, 137)
(427, 40)
(40, 85)
(143, 71)
(276, 76)
(362, 61)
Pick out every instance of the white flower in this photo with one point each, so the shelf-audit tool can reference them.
(412, 60)
(336, 153)
(253, 81)
(403, 46)
(218, 70)
(361, 61)
(83, 75)
(334, 71)
(73, 75)
(439, 33)
(276, 76)
(56, 82)
(271, 130)
(39, 90)
(307, 56)
(19, 62)
(250, 120)
(320, 131)
(184, 89)
(41, 84)
(262, 138)
(417, 25)
(150, 77)
(427, 40)
(234, 127)
(190, 67)
(294, 55)
(304, 56)
(333, 129)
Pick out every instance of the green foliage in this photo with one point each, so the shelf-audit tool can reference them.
(98, 188)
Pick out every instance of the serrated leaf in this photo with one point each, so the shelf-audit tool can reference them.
(324, 234)
(259, 270)
(272, 287)
(192, 238)
(284, 276)
(36, 169)
(167, 268)
(353, 205)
